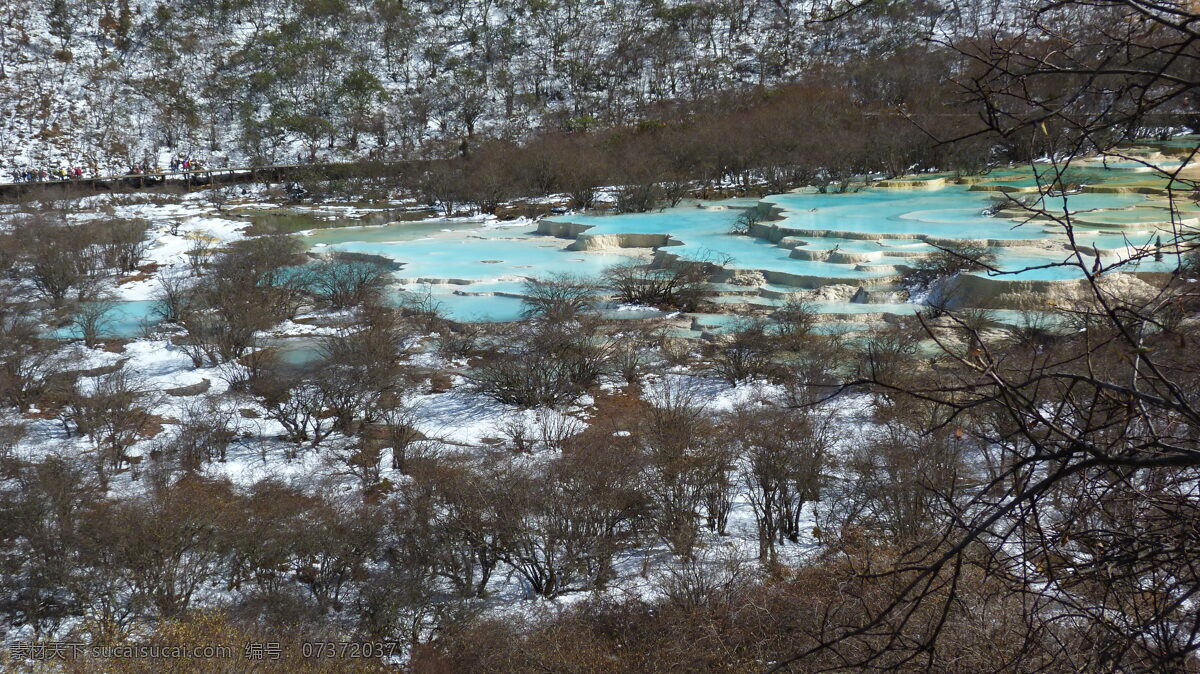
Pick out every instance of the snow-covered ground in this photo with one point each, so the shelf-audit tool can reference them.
(455, 420)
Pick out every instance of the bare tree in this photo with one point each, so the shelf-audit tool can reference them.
(564, 523)
(948, 260)
(173, 296)
(165, 546)
(558, 298)
(112, 412)
(206, 430)
(91, 318)
(251, 287)
(293, 397)
(27, 359)
(669, 282)
(684, 458)
(745, 222)
(59, 258)
(543, 364)
(344, 283)
(359, 375)
(743, 354)
(785, 455)
(200, 251)
(794, 322)
(453, 514)
(123, 243)
(1075, 426)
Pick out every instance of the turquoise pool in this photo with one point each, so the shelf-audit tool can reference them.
(878, 231)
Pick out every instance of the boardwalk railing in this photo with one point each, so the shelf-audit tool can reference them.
(204, 177)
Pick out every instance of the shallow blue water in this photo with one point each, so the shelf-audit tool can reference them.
(1065, 266)
(124, 321)
(478, 258)
(857, 308)
(1143, 166)
(951, 212)
(880, 246)
(497, 260)
(298, 351)
(477, 308)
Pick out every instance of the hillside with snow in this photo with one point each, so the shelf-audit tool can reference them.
(113, 83)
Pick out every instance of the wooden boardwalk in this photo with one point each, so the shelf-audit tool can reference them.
(201, 178)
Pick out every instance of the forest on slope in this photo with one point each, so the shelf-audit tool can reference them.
(109, 84)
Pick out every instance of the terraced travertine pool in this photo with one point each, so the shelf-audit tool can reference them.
(861, 238)
(476, 270)
(124, 319)
(476, 256)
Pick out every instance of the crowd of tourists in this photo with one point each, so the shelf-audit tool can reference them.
(185, 164)
(39, 175)
(29, 174)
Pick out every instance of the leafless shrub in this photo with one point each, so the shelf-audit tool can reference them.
(670, 282)
(173, 297)
(123, 243)
(200, 251)
(206, 430)
(786, 454)
(745, 353)
(27, 360)
(542, 365)
(112, 412)
(558, 298)
(91, 318)
(59, 258)
(348, 283)
(293, 398)
(745, 222)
